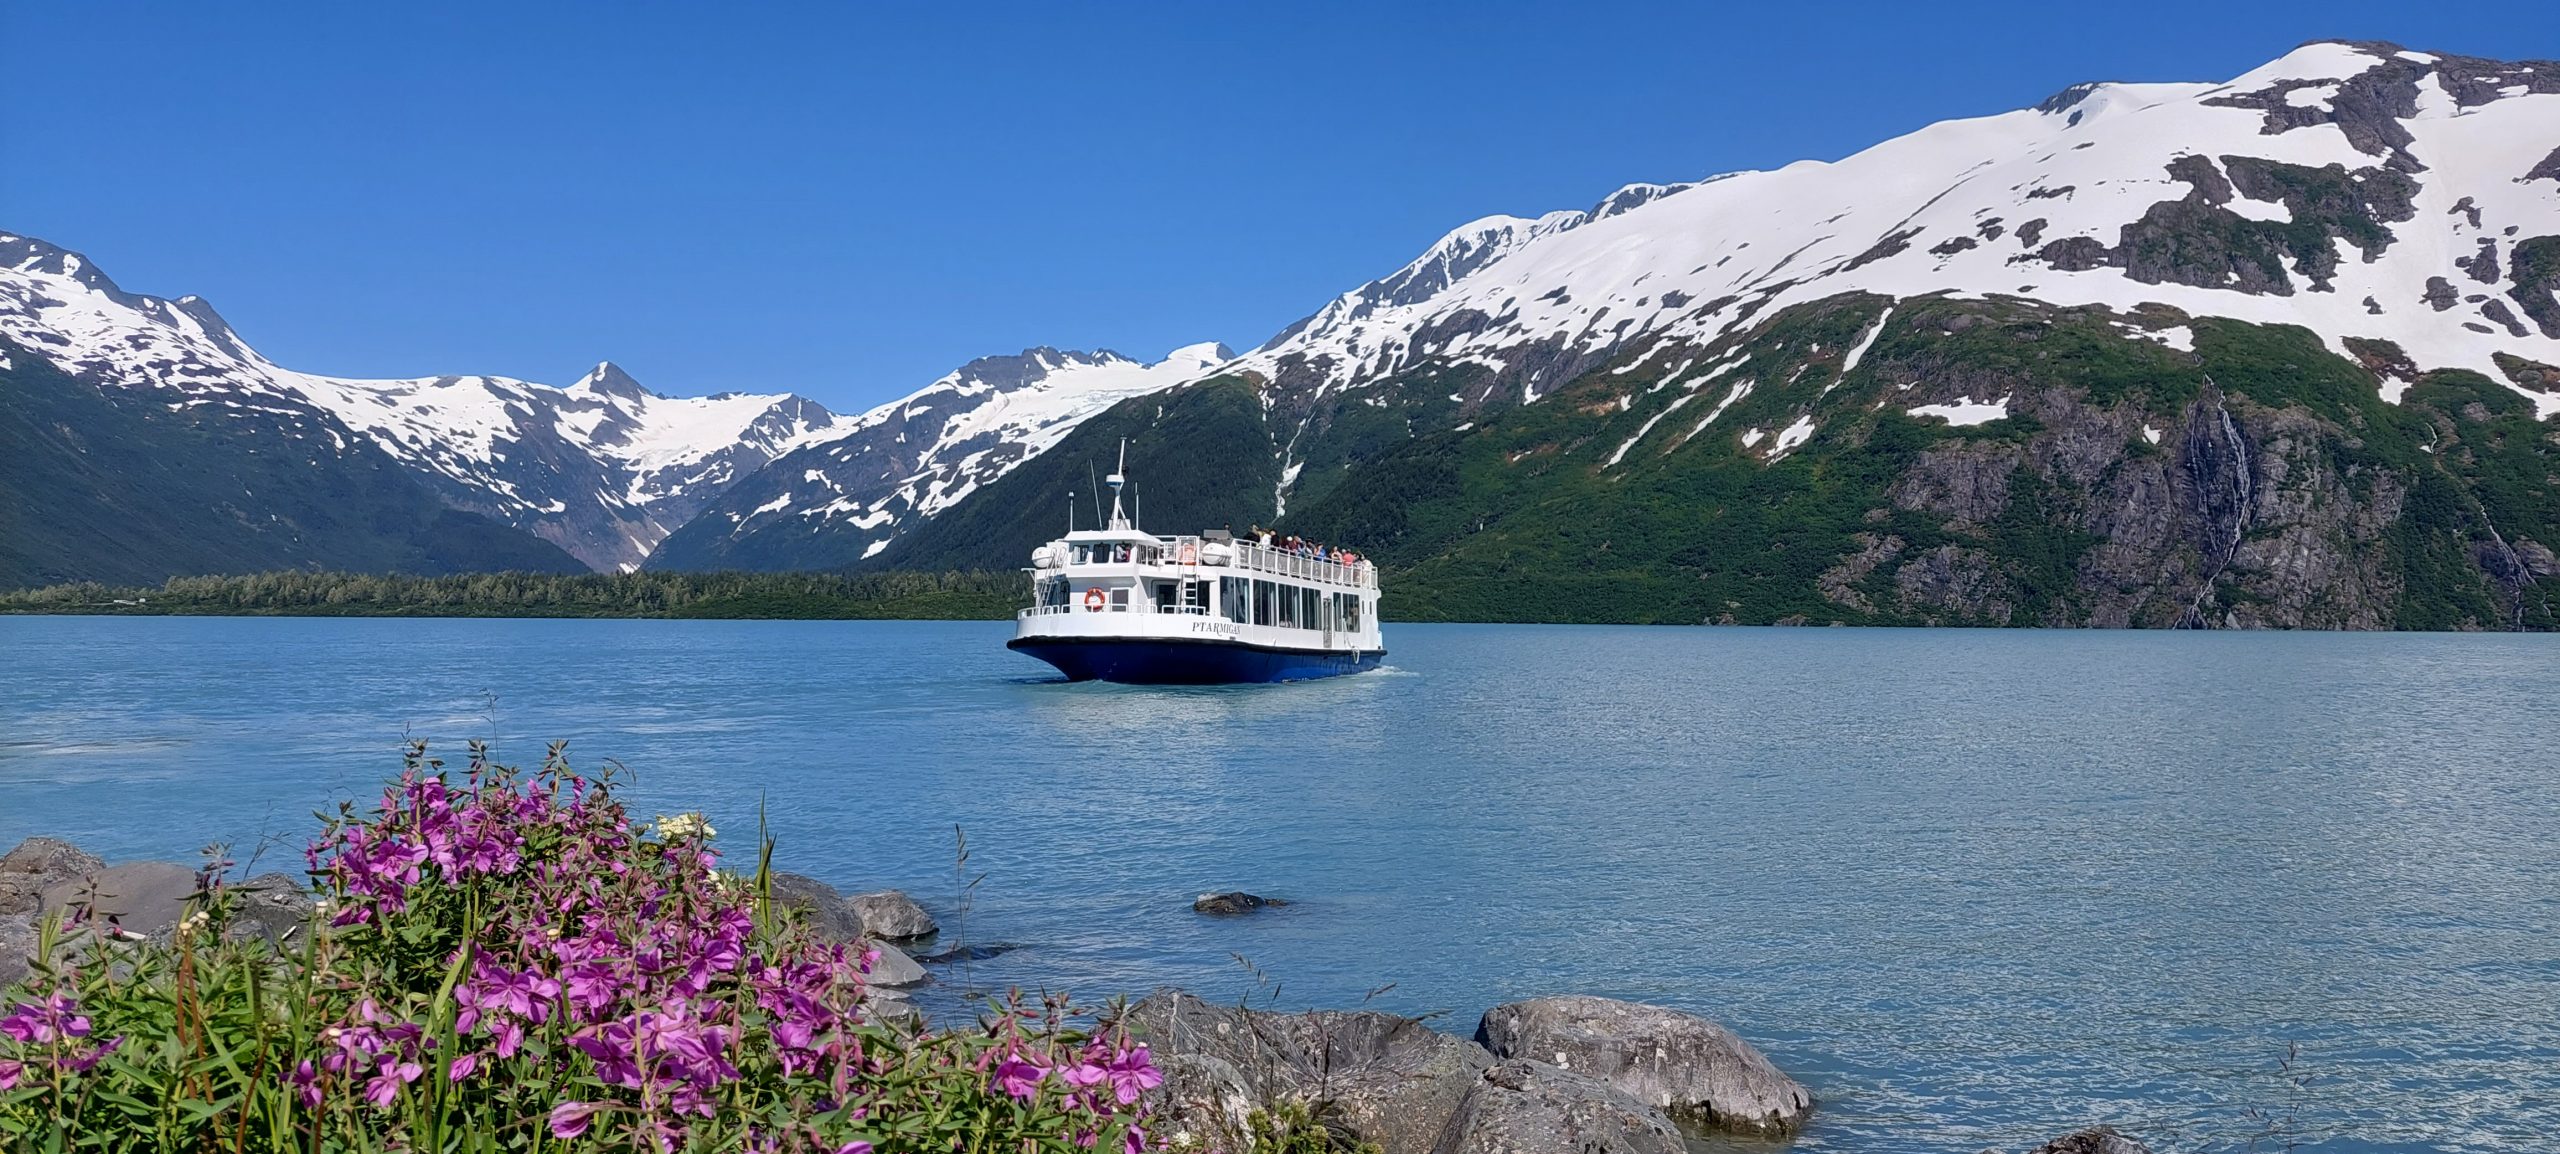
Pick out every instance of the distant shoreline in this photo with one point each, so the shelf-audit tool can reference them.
(960, 595)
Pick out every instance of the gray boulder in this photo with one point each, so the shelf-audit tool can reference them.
(818, 904)
(39, 864)
(1691, 1069)
(17, 947)
(143, 898)
(1404, 1098)
(892, 915)
(1521, 1107)
(890, 1007)
(894, 968)
(272, 907)
(1204, 1104)
(1367, 1076)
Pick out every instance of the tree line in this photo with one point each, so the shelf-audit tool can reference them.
(972, 595)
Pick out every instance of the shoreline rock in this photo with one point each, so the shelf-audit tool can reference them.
(1394, 1081)
(892, 916)
(1565, 1073)
(1696, 1072)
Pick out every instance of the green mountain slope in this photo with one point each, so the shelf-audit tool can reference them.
(1200, 457)
(127, 488)
(2115, 470)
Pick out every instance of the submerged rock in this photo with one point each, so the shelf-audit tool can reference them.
(967, 953)
(892, 915)
(1693, 1070)
(2096, 1140)
(1232, 902)
(144, 898)
(39, 864)
(1523, 1107)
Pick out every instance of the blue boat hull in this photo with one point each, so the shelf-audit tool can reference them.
(1203, 662)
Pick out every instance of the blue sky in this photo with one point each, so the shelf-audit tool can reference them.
(849, 200)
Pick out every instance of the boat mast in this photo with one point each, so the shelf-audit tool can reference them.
(1118, 478)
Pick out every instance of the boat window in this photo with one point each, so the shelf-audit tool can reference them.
(1120, 599)
(1262, 603)
(1232, 599)
(1287, 615)
(1307, 609)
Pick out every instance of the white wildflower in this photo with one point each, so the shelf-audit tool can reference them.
(685, 825)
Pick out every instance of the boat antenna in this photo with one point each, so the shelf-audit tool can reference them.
(1097, 489)
(1119, 476)
(1071, 510)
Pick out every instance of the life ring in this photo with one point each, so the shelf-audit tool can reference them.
(1190, 554)
(1093, 599)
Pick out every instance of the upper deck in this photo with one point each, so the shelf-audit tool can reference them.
(1129, 552)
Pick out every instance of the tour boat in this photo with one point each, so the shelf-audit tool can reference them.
(1122, 604)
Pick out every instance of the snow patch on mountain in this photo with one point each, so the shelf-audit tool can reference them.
(603, 468)
(873, 476)
(2420, 164)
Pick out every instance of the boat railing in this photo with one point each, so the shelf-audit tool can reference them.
(1264, 559)
(1072, 608)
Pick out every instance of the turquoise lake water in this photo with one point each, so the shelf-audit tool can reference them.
(1974, 888)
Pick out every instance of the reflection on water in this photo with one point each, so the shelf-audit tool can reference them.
(1974, 888)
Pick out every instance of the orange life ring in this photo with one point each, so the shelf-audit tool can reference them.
(1190, 554)
(1093, 599)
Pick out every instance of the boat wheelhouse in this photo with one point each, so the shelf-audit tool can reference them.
(1122, 604)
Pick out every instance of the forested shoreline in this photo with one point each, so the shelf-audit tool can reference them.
(956, 595)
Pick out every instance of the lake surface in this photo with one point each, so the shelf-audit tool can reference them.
(1974, 888)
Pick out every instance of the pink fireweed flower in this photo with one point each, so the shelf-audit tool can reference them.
(1018, 1078)
(385, 1085)
(305, 1081)
(569, 1119)
(1084, 1075)
(10, 1072)
(1133, 1073)
(83, 1063)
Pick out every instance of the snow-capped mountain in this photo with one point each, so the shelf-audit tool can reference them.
(845, 494)
(2357, 189)
(603, 468)
(2282, 351)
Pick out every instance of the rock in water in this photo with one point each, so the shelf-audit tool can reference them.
(1692, 1069)
(1520, 1107)
(39, 864)
(143, 897)
(892, 915)
(824, 911)
(2097, 1140)
(894, 968)
(1232, 902)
